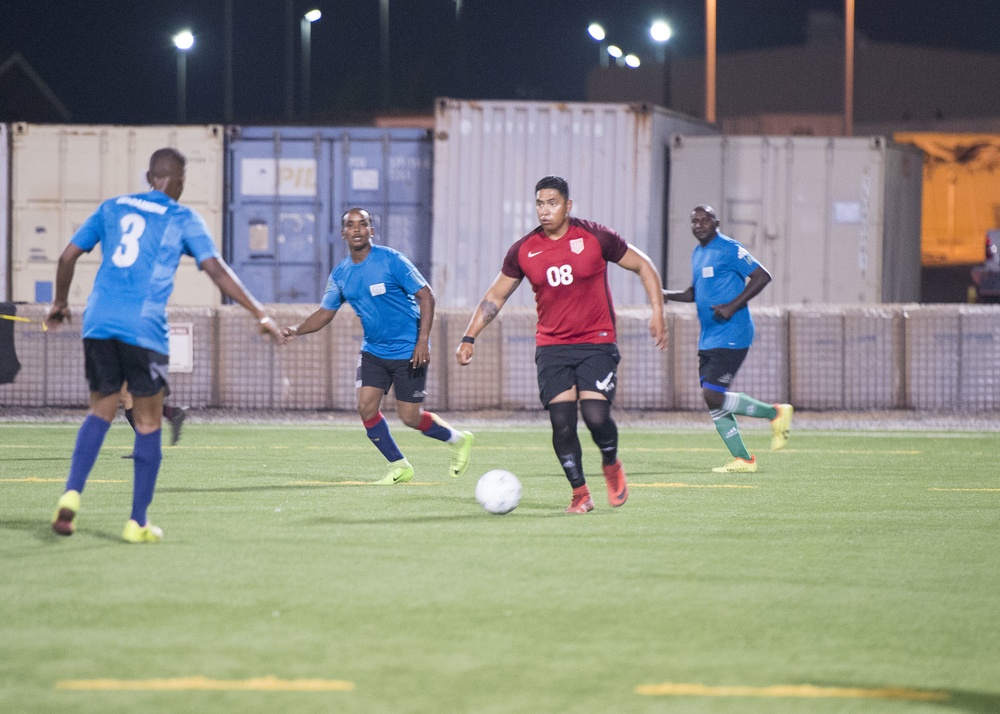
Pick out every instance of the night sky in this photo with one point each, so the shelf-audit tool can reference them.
(112, 61)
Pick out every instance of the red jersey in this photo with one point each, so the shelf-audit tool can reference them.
(570, 278)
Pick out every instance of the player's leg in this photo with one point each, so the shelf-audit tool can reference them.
(126, 402)
(598, 371)
(717, 368)
(410, 392)
(147, 383)
(176, 417)
(105, 379)
(780, 415)
(374, 377)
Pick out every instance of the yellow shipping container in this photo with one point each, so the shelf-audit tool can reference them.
(961, 197)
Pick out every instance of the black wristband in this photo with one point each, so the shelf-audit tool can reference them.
(469, 340)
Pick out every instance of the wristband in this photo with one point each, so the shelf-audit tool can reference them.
(469, 340)
(266, 319)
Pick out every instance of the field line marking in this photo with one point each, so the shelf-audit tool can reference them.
(358, 483)
(692, 485)
(802, 691)
(989, 490)
(181, 684)
(36, 479)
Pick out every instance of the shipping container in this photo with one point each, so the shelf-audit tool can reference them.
(4, 215)
(287, 188)
(961, 195)
(488, 155)
(834, 220)
(60, 174)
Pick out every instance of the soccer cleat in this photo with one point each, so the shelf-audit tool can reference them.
(460, 451)
(401, 472)
(129, 455)
(134, 533)
(177, 418)
(614, 477)
(66, 509)
(582, 502)
(738, 466)
(780, 426)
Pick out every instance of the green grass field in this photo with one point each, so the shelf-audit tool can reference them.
(854, 573)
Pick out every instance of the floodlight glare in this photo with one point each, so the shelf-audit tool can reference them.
(184, 40)
(660, 31)
(615, 51)
(596, 31)
(631, 60)
(313, 15)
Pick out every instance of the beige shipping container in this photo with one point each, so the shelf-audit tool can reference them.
(834, 219)
(488, 155)
(60, 174)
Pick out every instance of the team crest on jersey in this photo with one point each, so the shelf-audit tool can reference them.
(576, 245)
(743, 254)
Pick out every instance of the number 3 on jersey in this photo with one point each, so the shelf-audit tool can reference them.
(133, 225)
(559, 275)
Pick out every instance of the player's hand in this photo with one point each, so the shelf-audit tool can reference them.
(290, 333)
(464, 353)
(658, 331)
(269, 326)
(723, 312)
(421, 355)
(59, 313)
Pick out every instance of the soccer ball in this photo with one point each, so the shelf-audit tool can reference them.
(498, 491)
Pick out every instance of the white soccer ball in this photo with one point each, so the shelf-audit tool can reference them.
(498, 491)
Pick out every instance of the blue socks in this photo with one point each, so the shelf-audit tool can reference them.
(378, 433)
(148, 454)
(89, 440)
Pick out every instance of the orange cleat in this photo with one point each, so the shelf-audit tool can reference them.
(582, 502)
(614, 476)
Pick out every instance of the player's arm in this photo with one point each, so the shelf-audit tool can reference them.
(680, 295)
(317, 321)
(489, 307)
(64, 278)
(758, 280)
(640, 264)
(422, 350)
(231, 286)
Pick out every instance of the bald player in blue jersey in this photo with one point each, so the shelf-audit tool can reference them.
(125, 332)
(396, 308)
(724, 279)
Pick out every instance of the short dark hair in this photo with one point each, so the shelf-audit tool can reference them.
(358, 209)
(168, 156)
(556, 182)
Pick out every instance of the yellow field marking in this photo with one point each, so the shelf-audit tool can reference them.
(802, 691)
(692, 485)
(990, 490)
(180, 684)
(358, 483)
(35, 479)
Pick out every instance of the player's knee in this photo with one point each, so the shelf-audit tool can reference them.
(713, 399)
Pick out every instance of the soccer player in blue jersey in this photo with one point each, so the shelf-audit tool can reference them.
(396, 308)
(142, 238)
(724, 279)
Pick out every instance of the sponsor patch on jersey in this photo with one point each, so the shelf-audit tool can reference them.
(576, 245)
(377, 289)
(743, 254)
(708, 271)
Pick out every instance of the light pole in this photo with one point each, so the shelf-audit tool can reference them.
(383, 14)
(597, 32)
(661, 33)
(305, 27)
(710, 8)
(616, 52)
(184, 41)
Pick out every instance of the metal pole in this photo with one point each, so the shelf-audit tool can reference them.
(849, 67)
(305, 28)
(227, 62)
(384, 23)
(181, 86)
(289, 59)
(710, 60)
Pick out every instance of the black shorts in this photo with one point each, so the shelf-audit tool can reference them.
(110, 363)
(383, 373)
(717, 368)
(589, 368)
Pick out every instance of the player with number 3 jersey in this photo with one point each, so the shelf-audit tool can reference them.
(566, 261)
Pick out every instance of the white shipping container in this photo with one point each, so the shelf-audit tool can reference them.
(834, 220)
(61, 173)
(488, 155)
(4, 215)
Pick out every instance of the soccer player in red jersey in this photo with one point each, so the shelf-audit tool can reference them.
(566, 261)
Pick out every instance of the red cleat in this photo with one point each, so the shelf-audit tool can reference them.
(582, 502)
(614, 476)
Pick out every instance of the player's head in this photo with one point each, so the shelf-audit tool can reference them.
(356, 228)
(166, 171)
(704, 223)
(555, 182)
(552, 204)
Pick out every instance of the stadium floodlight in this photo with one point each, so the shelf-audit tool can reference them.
(184, 40)
(596, 31)
(615, 51)
(313, 15)
(632, 61)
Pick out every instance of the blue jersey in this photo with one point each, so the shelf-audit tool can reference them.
(142, 237)
(719, 273)
(380, 290)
